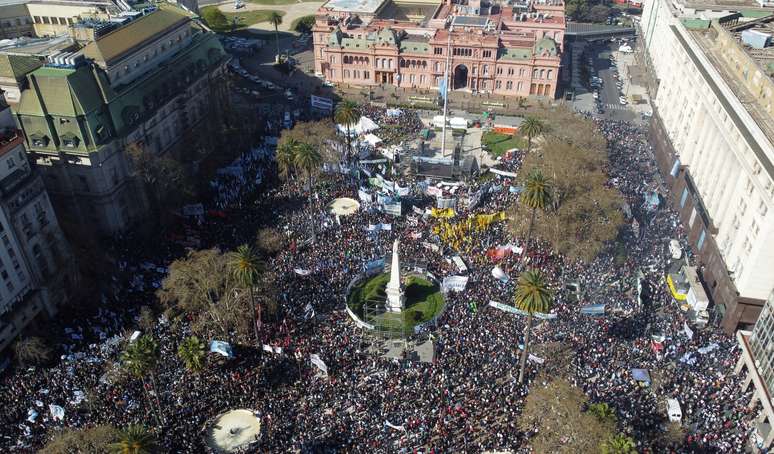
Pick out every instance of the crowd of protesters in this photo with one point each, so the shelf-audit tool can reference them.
(467, 398)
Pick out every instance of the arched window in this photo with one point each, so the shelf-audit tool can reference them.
(542, 73)
(534, 73)
(549, 75)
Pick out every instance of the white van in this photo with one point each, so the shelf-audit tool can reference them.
(674, 411)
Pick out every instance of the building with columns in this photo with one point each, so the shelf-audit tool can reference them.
(491, 47)
(712, 130)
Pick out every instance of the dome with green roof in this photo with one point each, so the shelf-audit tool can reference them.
(546, 47)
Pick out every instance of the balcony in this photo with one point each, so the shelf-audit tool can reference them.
(9, 139)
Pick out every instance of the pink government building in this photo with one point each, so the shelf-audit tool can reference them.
(509, 48)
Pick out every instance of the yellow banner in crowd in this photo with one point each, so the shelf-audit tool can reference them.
(443, 213)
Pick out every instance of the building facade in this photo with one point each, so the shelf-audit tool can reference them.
(37, 273)
(757, 364)
(712, 132)
(148, 84)
(489, 47)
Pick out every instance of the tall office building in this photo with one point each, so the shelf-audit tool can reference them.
(37, 272)
(147, 81)
(713, 131)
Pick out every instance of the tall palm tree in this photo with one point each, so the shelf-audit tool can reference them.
(275, 19)
(308, 161)
(346, 114)
(537, 195)
(135, 439)
(532, 127)
(246, 269)
(285, 157)
(531, 296)
(191, 353)
(140, 359)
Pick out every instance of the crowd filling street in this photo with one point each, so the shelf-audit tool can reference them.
(467, 398)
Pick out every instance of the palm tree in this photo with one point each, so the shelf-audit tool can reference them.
(135, 439)
(191, 353)
(285, 157)
(140, 359)
(532, 127)
(619, 444)
(532, 295)
(308, 160)
(246, 268)
(275, 19)
(537, 195)
(346, 114)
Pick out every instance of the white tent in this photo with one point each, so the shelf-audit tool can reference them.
(363, 126)
(372, 139)
(458, 123)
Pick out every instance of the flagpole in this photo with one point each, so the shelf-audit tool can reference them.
(445, 94)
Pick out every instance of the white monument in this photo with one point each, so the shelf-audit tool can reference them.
(395, 296)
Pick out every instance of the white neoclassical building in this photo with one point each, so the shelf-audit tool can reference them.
(713, 133)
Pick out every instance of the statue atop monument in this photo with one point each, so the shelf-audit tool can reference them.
(395, 296)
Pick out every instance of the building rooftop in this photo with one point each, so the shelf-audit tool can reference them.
(40, 47)
(470, 21)
(117, 43)
(763, 55)
(354, 6)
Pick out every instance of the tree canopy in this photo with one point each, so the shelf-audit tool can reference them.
(200, 287)
(555, 411)
(585, 215)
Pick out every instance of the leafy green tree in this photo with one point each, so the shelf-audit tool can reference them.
(135, 439)
(31, 350)
(246, 269)
(214, 18)
(275, 19)
(191, 352)
(602, 412)
(140, 359)
(537, 196)
(308, 161)
(346, 114)
(532, 127)
(619, 444)
(532, 295)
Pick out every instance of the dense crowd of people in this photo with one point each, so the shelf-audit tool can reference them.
(467, 398)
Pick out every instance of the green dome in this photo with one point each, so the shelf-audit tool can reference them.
(546, 47)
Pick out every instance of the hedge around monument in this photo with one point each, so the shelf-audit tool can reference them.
(423, 301)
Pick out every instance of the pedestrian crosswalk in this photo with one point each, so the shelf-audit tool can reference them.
(616, 107)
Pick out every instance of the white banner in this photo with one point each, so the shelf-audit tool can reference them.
(503, 173)
(513, 310)
(364, 196)
(302, 272)
(319, 363)
(454, 283)
(57, 412)
(393, 426)
(536, 359)
(688, 331)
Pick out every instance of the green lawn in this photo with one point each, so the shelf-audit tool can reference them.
(423, 302)
(498, 144)
(244, 18)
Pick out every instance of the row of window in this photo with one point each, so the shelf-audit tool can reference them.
(54, 20)
(356, 74)
(18, 22)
